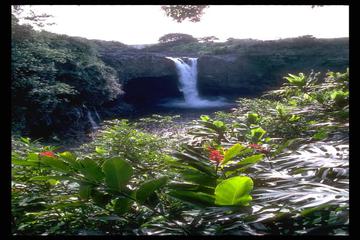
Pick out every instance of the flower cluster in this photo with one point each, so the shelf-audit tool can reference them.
(215, 155)
(47, 154)
(259, 148)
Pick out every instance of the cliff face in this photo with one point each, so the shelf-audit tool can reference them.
(237, 69)
(146, 78)
(138, 65)
(251, 73)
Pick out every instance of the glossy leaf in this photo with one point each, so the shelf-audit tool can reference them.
(70, 158)
(234, 191)
(148, 188)
(118, 173)
(91, 170)
(122, 205)
(195, 163)
(195, 198)
(99, 198)
(55, 163)
(232, 152)
(85, 191)
(195, 176)
(251, 160)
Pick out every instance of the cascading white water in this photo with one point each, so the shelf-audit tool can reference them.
(97, 115)
(187, 78)
(188, 86)
(91, 120)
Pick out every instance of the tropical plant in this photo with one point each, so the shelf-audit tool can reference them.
(268, 167)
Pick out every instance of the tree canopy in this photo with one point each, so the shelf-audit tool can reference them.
(177, 37)
(208, 39)
(180, 13)
(54, 73)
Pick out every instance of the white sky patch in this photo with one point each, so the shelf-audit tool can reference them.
(137, 24)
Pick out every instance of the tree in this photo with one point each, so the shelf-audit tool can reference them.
(177, 37)
(51, 74)
(30, 17)
(208, 39)
(180, 13)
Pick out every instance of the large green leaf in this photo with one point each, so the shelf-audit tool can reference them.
(234, 191)
(251, 160)
(195, 176)
(85, 191)
(195, 162)
(195, 198)
(91, 170)
(118, 173)
(191, 187)
(122, 205)
(70, 158)
(99, 198)
(243, 164)
(56, 164)
(232, 152)
(183, 186)
(148, 188)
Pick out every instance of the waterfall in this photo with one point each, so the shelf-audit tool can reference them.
(187, 79)
(97, 115)
(94, 125)
(187, 73)
(91, 120)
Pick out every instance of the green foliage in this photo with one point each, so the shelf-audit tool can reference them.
(253, 118)
(52, 73)
(148, 188)
(257, 134)
(180, 13)
(122, 205)
(91, 170)
(198, 199)
(234, 191)
(232, 152)
(144, 151)
(298, 81)
(177, 38)
(289, 161)
(117, 173)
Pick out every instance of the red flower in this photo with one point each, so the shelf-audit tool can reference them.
(47, 154)
(215, 156)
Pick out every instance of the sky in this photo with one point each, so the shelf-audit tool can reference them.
(145, 24)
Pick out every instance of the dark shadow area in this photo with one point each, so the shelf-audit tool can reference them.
(151, 90)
